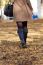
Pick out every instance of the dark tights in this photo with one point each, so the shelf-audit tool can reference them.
(22, 31)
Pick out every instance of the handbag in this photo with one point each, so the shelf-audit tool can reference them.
(8, 10)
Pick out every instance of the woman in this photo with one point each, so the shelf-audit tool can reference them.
(23, 12)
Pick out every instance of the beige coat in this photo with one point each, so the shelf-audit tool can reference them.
(22, 10)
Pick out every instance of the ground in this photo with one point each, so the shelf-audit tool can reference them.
(12, 54)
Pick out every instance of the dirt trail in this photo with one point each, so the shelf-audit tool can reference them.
(10, 52)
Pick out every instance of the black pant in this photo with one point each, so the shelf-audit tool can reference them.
(22, 31)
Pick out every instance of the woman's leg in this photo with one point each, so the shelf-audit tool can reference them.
(21, 32)
(25, 30)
